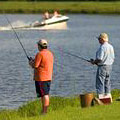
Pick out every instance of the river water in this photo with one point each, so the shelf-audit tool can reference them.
(72, 76)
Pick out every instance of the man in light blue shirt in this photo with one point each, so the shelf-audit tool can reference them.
(104, 60)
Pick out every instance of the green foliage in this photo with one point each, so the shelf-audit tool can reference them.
(64, 108)
(8, 114)
(60, 0)
(63, 7)
(31, 109)
(115, 93)
(58, 103)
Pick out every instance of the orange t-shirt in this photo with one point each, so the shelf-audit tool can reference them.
(43, 65)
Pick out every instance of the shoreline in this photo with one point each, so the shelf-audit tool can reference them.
(64, 106)
(63, 7)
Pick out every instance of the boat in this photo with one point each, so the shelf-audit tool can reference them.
(55, 22)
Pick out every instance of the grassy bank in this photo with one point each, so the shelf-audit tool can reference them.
(64, 7)
(65, 109)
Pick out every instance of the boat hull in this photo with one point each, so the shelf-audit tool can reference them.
(56, 26)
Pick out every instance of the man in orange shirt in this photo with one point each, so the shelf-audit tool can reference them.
(43, 69)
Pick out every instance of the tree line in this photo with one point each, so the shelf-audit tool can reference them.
(63, 0)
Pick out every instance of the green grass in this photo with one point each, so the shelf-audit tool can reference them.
(62, 108)
(63, 7)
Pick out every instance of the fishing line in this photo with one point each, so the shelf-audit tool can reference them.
(79, 57)
(72, 54)
(62, 68)
(17, 38)
(60, 64)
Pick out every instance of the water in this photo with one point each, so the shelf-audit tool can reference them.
(71, 75)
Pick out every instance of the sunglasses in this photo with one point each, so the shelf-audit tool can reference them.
(39, 44)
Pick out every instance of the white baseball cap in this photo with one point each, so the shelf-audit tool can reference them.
(42, 42)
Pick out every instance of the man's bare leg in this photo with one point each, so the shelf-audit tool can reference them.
(45, 103)
(42, 101)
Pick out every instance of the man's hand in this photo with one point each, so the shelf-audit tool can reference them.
(31, 62)
(92, 61)
(96, 62)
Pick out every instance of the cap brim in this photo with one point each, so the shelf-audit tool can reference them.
(43, 43)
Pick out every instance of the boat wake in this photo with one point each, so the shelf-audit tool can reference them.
(19, 24)
(51, 23)
(16, 24)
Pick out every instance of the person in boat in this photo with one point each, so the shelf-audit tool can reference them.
(104, 60)
(43, 69)
(56, 14)
(46, 15)
(38, 23)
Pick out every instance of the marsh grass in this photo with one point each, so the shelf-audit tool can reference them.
(63, 7)
(65, 108)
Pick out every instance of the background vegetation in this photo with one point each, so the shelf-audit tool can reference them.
(63, 7)
(62, 0)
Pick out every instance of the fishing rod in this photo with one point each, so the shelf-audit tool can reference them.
(77, 56)
(71, 54)
(17, 38)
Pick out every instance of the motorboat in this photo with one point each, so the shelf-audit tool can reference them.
(55, 22)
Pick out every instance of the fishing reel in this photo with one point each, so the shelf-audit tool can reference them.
(30, 58)
(92, 61)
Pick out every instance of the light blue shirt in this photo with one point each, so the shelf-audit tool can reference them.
(106, 54)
